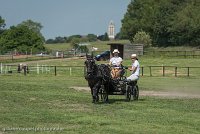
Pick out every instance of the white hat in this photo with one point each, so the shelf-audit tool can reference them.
(116, 51)
(133, 55)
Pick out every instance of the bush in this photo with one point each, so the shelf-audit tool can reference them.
(142, 38)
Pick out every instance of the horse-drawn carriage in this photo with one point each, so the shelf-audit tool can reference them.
(102, 83)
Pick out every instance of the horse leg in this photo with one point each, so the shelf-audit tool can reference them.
(91, 85)
(96, 91)
(93, 99)
(106, 89)
(94, 95)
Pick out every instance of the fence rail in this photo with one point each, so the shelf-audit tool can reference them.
(42, 69)
(170, 71)
(165, 71)
(185, 54)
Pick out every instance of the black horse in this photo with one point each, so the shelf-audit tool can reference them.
(97, 76)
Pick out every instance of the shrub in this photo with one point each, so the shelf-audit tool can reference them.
(142, 37)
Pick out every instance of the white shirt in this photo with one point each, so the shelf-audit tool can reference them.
(116, 61)
(136, 64)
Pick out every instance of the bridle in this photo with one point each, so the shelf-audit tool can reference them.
(90, 66)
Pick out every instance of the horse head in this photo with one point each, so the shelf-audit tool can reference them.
(90, 65)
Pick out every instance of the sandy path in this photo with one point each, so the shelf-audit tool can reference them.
(167, 94)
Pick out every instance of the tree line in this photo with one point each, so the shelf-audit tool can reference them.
(24, 37)
(168, 22)
(156, 22)
(83, 38)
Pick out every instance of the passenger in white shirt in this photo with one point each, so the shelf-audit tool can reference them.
(116, 63)
(135, 69)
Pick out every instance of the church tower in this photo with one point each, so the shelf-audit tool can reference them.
(111, 30)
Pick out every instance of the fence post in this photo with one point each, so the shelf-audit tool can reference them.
(38, 69)
(55, 71)
(1, 68)
(188, 72)
(163, 70)
(142, 71)
(176, 53)
(84, 69)
(185, 54)
(175, 71)
(6, 69)
(25, 69)
(12, 56)
(70, 71)
(42, 69)
(150, 70)
(154, 53)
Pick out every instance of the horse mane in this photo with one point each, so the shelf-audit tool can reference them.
(105, 72)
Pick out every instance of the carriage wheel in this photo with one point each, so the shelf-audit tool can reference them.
(135, 92)
(104, 95)
(128, 93)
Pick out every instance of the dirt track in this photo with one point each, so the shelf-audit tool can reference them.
(166, 94)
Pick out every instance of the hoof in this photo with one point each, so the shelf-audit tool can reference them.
(95, 99)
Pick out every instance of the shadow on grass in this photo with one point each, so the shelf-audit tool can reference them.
(112, 101)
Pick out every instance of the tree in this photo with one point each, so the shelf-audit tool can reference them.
(50, 41)
(100, 37)
(83, 49)
(2, 24)
(34, 26)
(59, 39)
(74, 42)
(91, 37)
(145, 15)
(21, 38)
(168, 22)
(73, 36)
(56, 40)
(106, 38)
(142, 38)
(185, 25)
(118, 36)
(103, 37)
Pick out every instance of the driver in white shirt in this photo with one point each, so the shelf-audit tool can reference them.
(116, 60)
(116, 63)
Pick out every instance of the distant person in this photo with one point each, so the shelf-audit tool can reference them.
(116, 64)
(135, 68)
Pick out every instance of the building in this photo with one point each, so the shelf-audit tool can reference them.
(127, 49)
(111, 30)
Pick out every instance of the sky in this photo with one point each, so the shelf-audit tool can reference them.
(65, 17)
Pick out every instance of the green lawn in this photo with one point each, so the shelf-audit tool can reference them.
(48, 101)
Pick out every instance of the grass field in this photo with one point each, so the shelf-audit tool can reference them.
(40, 103)
(49, 103)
